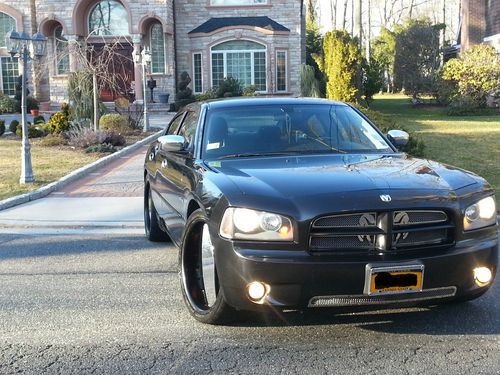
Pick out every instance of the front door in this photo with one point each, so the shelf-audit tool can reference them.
(116, 70)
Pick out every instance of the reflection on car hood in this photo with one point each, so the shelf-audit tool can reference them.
(295, 176)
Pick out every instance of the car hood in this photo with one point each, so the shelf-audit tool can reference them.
(316, 175)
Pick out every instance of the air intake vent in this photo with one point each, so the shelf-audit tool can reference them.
(380, 231)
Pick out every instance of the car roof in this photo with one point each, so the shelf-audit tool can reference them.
(257, 101)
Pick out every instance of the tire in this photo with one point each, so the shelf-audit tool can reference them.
(202, 293)
(152, 228)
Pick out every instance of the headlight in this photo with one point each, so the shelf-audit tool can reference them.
(480, 214)
(246, 224)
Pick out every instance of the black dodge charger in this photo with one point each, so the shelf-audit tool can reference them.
(301, 204)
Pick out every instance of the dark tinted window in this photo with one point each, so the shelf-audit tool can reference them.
(293, 129)
(173, 129)
(188, 128)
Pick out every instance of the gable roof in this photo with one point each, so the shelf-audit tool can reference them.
(262, 22)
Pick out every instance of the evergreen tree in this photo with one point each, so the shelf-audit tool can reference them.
(342, 66)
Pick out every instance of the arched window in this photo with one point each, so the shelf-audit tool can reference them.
(7, 23)
(61, 51)
(241, 59)
(108, 17)
(157, 45)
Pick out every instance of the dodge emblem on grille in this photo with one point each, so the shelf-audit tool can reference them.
(385, 198)
(401, 218)
(367, 220)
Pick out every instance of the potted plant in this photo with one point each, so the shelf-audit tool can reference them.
(32, 105)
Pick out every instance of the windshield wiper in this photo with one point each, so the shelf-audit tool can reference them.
(254, 154)
(281, 153)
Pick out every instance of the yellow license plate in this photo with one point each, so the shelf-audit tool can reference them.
(395, 279)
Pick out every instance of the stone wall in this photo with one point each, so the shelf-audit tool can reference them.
(192, 13)
(72, 16)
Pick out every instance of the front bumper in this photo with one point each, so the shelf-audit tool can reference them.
(299, 280)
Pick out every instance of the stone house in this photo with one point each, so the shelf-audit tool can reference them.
(259, 42)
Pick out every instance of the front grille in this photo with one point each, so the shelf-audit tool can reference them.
(380, 231)
(343, 242)
(346, 221)
(405, 218)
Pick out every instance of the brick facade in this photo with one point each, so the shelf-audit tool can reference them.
(72, 15)
(480, 23)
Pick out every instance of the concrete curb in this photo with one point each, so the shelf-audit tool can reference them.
(75, 175)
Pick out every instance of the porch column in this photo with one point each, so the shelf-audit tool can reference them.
(136, 41)
(73, 50)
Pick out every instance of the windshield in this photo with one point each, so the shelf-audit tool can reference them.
(291, 129)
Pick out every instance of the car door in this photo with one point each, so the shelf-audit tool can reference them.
(178, 176)
(160, 184)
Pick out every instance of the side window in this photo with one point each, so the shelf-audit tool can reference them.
(188, 129)
(173, 129)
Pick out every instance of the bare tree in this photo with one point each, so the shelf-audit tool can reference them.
(368, 32)
(357, 19)
(344, 15)
(100, 59)
(333, 13)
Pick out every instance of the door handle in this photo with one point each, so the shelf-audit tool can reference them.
(164, 163)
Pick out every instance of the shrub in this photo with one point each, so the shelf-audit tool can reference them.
(80, 92)
(7, 105)
(114, 139)
(58, 122)
(115, 122)
(13, 126)
(31, 103)
(229, 87)
(475, 73)
(210, 94)
(83, 137)
(2, 127)
(53, 140)
(33, 131)
(104, 148)
(414, 147)
(372, 79)
(445, 92)
(249, 90)
(39, 119)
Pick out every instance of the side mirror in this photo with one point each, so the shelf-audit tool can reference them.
(172, 143)
(398, 138)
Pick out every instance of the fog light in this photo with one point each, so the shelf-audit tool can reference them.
(257, 291)
(482, 276)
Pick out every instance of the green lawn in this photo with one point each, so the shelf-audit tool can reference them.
(49, 164)
(469, 142)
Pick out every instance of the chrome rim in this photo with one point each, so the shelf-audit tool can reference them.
(150, 209)
(208, 267)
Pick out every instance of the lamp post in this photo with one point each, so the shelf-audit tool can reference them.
(19, 44)
(144, 58)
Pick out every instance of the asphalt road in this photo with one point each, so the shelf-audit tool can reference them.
(100, 304)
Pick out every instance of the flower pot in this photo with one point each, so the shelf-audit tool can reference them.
(34, 112)
(163, 98)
